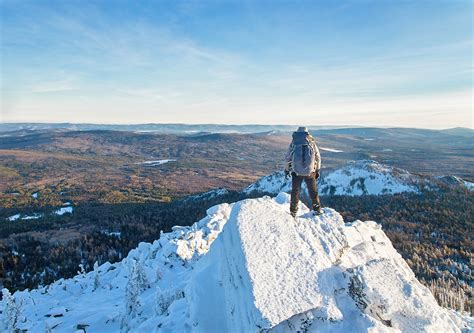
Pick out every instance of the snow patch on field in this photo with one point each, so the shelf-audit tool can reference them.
(156, 162)
(61, 211)
(246, 267)
(117, 234)
(64, 210)
(331, 150)
(35, 216)
(14, 217)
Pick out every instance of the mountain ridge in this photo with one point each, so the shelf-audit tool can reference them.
(248, 266)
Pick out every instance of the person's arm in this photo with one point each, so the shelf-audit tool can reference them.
(288, 158)
(317, 160)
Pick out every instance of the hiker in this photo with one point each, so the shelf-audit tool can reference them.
(303, 163)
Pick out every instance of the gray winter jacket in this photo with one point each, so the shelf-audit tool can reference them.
(314, 147)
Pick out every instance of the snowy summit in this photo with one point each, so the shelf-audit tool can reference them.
(246, 267)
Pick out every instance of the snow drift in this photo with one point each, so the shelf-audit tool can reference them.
(246, 267)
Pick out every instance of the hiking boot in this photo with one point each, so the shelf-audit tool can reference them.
(317, 210)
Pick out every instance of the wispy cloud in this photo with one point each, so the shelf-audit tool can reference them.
(65, 84)
(147, 94)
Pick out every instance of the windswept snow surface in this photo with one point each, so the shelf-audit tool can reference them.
(263, 270)
(363, 177)
(247, 267)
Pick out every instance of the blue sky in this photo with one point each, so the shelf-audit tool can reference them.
(372, 63)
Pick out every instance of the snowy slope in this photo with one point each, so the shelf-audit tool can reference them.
(208, 195)
(363, 177)
(469, 185)
(273, 184)
(369, 177)
(457, 181)
(246, 267)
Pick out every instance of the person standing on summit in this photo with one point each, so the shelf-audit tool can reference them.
(303, 162)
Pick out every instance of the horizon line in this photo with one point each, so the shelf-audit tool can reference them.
(229, 124)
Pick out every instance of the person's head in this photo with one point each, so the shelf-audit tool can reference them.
(301, 132)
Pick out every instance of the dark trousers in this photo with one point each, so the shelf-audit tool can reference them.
(312, 186)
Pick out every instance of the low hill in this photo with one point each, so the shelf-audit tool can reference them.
(363, 177)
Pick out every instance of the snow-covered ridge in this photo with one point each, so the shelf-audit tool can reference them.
(456, 181)
(208, 195)
(246, 267)
(369, 177)
(468, 185)
(364, 177)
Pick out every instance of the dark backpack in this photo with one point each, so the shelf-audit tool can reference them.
(303, 155)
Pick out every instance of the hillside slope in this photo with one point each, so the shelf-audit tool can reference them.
(362, 177)
(246, 267)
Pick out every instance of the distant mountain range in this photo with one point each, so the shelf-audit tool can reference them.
(161, 128)
(222, 128)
